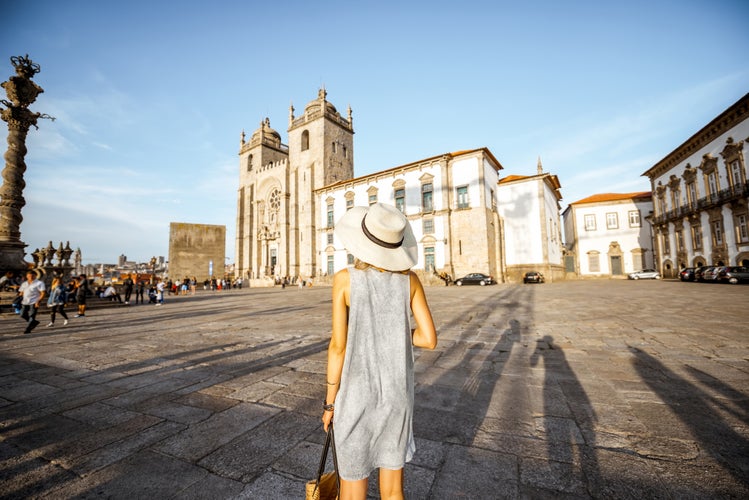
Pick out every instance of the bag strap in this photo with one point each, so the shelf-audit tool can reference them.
(330, 438)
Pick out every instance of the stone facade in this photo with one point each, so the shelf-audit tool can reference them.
(196, 250)
(701, 194)
(276, 208)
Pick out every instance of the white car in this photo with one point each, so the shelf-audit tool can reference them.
(645, 274)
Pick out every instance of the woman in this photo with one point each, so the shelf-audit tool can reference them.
(57, 299)
(370, 358)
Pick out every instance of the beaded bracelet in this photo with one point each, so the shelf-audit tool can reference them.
(327, 407)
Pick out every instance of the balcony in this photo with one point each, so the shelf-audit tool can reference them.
(720, 198)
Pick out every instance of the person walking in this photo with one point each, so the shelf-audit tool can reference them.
(370, 380)
(81, 294)
(128, 289)
(58, 296)
(32, 290)
(139, 291)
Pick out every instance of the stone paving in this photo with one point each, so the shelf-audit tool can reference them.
(585, 389)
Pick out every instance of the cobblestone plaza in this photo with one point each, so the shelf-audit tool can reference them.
(581, 389)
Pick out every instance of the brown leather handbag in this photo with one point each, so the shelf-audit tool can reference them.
(328, 484)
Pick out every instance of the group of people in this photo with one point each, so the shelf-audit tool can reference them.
(32, 292)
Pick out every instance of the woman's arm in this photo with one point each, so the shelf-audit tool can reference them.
(337, 346)
(424, 335)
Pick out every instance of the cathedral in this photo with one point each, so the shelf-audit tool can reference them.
(290, 197)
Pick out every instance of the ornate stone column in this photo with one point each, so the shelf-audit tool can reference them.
(21, 93)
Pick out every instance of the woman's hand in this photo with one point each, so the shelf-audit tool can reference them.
(327, 419)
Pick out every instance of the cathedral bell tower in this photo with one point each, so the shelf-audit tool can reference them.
(321, 152)
(262, 205)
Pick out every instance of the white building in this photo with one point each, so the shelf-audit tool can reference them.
(449, 199)
(701, 194)
(529, 208)
(606, 235)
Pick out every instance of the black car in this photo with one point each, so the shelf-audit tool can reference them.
(687, 274)
(733, 275)
(475, 279)
(533, 277)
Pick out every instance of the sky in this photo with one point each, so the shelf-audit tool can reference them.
(150, 98)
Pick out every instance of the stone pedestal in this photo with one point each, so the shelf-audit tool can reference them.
(12, 256)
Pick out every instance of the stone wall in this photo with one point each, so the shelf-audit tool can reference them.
(197, 250)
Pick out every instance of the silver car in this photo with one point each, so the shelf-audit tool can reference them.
(645, 274)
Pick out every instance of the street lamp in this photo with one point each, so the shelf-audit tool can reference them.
(153, 270)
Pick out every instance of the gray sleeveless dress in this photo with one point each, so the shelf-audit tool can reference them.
(374, 405)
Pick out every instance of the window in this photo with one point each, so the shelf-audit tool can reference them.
(494, 200)
(692, 193)
(332, 145)
(372, 198)
(305, 140)
(712, 183)
(249, 163)
(666, 244)
(743, 232)
(331, 265)
(718, 232)
(462, 195)
(330, 238)
(634, 218)
(594, 263)
(426, 197)
(679, 241)
(429, 259)
(612, 221)
(697, 237)
(345, 152)
(590, 222)
(427, 226)
(330, 215)
(736, 173)
(350, 259)
(400, 199)
(349, 204)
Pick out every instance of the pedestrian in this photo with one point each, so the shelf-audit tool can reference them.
(139, 289)
(112, 294)
(160, 287)
(32, 290)
(58, 296)
(370, 379)
(128, 289)
(81, 293)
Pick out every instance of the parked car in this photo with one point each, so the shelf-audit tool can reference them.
(711, 273)
(734, 275)
(699, 273)
(687, 274)
(533, 277)
(475, 279)
(645, 274)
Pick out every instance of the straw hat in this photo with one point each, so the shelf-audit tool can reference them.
(379, 235)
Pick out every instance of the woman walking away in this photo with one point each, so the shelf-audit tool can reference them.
(58, 296)
(370, 380)
(81, 293)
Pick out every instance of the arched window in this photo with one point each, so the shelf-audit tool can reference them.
(305, 140)
(249, 163)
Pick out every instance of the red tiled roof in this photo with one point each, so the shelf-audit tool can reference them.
(603, 197)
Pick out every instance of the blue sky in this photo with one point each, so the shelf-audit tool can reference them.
(151, 97)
